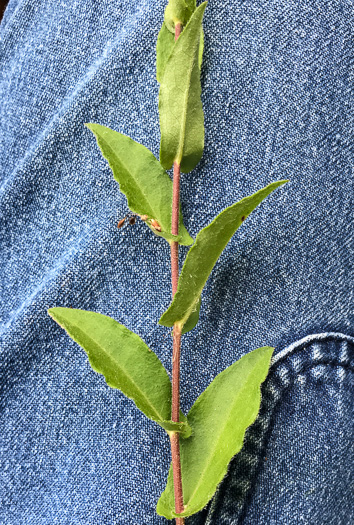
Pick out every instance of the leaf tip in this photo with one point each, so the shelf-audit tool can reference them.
(51, 312)
(95, 128)
(91, 126)
(281, 182)
(267, 349)
(55, 312)
(267, 352)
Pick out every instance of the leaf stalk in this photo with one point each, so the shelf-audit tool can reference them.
(178, 30)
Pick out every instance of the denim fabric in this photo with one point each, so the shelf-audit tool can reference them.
(278, 103)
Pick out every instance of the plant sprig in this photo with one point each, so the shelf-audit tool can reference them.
(203, 442)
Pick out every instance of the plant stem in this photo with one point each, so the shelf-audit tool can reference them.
(178, 29)
(174, 437)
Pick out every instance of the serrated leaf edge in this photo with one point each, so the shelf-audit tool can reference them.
(184, 239)
(99, 370)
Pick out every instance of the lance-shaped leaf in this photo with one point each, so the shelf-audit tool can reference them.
(219, 419)
(180, 106)
(164, 46)
(125, 361)
(142, 179)
(202, 256)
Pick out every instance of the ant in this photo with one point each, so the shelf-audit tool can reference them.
(132, 221)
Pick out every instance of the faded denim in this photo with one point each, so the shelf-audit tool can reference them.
(278, 101)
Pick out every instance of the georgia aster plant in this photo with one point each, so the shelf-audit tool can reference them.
(204, 441)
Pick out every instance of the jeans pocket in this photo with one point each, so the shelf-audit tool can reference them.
(296, 465)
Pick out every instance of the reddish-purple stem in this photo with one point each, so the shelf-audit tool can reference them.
(178, 29)
(174, 437)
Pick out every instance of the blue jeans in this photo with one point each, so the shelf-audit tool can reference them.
(278, 102)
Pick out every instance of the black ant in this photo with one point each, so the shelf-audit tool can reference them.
(131, 220)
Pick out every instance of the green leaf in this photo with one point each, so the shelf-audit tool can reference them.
(180, 106)
(164, 46)
(202, 256)
(125, 361)
(142, 179)
(182, 427)
(219, 419)
(192, 319)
